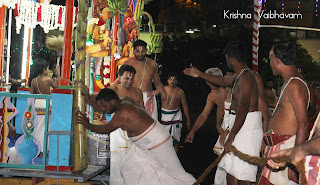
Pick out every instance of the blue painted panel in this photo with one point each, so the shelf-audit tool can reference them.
(21, 105)
(61, 120)
(108, 117)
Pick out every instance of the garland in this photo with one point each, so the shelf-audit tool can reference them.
(49, 17)
(8, 3)
(106, 71)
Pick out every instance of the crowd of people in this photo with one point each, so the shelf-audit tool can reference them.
(251, 115)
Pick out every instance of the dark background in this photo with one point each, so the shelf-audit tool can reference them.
(204, 49)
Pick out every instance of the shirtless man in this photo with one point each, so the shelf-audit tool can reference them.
(215, 97)
(245, 121)
(152, 151)
(125, 88)
(171, 115)
(147, 72)
(288, 125)
(42, 84)
(119, 143)
(309, 150)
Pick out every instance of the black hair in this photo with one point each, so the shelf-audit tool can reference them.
(139, 43)
(270, 79)
(125, 68)
(236, 50)
(286, 52)
(172, 74)
(107, 94)
(39, 65)
(37, 68)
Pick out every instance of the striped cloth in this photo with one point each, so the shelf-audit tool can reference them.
(312, 165)
(150, 104)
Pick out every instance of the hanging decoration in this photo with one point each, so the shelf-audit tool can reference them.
(316, 8)
(49, 17)
(106, 71)
(264, 2)
(299, 3)
(117, 6)
(138, 13)
(8, 3)
(155, 38)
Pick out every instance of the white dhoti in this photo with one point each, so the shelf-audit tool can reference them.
(152, 160)
(171, 120)
(119, 147)
(40, 106)
(248, 140)
(221, 175)
(218, 148)
(150, 104)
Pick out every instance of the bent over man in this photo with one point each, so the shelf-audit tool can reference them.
(152, 158)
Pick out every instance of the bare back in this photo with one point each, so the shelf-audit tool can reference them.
(146, 73)
(131, 118)
(291, 109)
(41, 85)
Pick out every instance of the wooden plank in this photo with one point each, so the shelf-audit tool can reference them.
(89, 173)
(46, 181)
(12, 181)
(53, 181)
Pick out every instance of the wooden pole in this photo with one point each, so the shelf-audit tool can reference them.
(2, 20)
(66, 59)
(80, 137)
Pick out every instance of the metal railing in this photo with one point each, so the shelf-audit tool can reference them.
(36, 96)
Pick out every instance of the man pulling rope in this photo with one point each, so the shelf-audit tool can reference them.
(261, 161)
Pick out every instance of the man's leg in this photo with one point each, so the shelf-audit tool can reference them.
(175, 143)
(176, 148)
(245, 183)
(231, 180)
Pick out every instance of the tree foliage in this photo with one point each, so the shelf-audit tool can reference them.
(205, 50)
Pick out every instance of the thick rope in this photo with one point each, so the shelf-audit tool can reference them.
(209, 169)
(261, 161)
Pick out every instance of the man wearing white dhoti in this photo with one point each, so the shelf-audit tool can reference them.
(119, 142)
(152, 152)
(171, 114)
(290, 117)
(247, 124)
